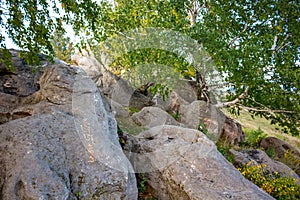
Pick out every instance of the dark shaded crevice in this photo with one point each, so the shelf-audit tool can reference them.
(7, 117)
(23, 81)
(20, 190)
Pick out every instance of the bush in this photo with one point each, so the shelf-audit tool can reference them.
(271, 152)
(272, 183)
(291, 160)
(253, 137)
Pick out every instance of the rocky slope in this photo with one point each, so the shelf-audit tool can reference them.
(178, 161)
(59, 138)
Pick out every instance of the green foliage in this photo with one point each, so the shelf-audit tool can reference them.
(275, 185)
(119, 130)
(5, 58)
(122, 140)
(133, 110)
(29, 25)
(176, 115)
(253, 137)
(63, 48)
(142, 188)
(142, 184)
(78, 194)
(224, 148)
(161, 89)
(251, 29)
(138, 65)
(291, 160)
(240, 38)
(271, 152)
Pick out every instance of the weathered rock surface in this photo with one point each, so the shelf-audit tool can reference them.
(232, 132)
(182, 94)
(153, 116)
(285, 152)
(217, 123)
(63, 144)
(181, 163)
(117, 90)
(88, 63)
(259, 157)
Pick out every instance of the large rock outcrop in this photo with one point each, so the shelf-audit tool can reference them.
(180, 163)
(217, 123)
(58, 141)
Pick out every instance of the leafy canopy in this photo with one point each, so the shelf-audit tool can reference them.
(255, 43)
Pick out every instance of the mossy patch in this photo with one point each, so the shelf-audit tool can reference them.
(127, 125)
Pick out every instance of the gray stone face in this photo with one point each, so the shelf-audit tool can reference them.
(63, 144)
(153, 116)
(199, 111)
(181, 163)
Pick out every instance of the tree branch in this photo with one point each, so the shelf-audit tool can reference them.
(282, 43)
(236, 38)
(273, 48)
(264, 110)
(219, 85)
(231, 103)
(193, 11)
(281, 46)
